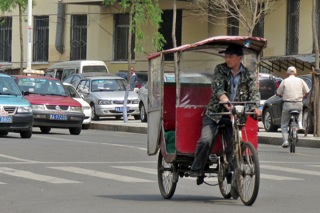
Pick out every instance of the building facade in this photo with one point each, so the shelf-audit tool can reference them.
(88, 29)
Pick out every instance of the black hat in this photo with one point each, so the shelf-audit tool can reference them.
(233, 49)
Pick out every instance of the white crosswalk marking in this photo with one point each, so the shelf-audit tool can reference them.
(33, 176)
(138, 169)
(105, 175)
(284, 169)
(277, 177)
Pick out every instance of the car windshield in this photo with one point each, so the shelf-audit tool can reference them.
(41, 86)
(108, 85)
(71, 91)
(92, 68)
(8, 87)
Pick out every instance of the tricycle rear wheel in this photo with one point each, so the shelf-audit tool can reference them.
(167, 177)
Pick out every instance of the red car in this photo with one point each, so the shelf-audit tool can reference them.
(51, 106)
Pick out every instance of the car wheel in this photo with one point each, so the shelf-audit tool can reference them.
(4, 133)
(136, 117)
(75, 131)
(26, 134)
(143, 113)
(85, 126)
(267, 122)
(45, 129)
(118, 117)
(94, 116)
(304, 121)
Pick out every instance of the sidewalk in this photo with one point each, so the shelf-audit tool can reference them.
(136, 126)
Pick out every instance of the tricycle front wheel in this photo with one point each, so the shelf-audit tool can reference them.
(167, 177)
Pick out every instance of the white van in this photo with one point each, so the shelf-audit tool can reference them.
(64, 69)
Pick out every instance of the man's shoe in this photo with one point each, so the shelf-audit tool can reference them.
(301, 130)
(285, 144)
(195, 173)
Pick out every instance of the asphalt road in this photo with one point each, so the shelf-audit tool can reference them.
(108, 171)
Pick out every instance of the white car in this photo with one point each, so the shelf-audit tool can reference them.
(85, 106)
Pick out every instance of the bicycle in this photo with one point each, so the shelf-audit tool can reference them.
(244, 179)
(293, 130)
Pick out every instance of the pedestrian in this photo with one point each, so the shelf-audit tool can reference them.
(292, 90)
(232, 81)
(133, 78)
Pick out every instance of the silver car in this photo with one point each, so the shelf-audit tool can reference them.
(106, 95)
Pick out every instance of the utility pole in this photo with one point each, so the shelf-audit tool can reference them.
(29, 47)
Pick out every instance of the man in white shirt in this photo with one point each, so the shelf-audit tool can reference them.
(293, 90)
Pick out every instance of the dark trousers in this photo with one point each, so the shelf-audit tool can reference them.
(208, 134)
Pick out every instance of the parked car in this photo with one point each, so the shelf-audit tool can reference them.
(52, 107)
(142, 77)
(268, 85)
(74, 79)
(86, 109)
(106, 95)
(272, 109)
(63, 69)
(15, 111)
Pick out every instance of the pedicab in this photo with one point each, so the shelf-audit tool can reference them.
(176, 107)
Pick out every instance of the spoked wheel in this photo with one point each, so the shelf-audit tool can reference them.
(224, 186)
(248, 174)
(293, 138)
(167, 177)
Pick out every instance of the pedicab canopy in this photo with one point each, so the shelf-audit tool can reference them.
(177, 105)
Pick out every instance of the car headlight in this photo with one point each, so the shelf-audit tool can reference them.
(86, 108)
(38, 107)
(24, 109)
(135, 101)
(104, 102)
(75, 109)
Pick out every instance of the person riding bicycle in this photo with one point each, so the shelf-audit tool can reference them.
(232, 81)
(293, 90)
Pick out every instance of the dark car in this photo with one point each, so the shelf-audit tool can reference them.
(272, 109)
(142, 77)
(268, 85)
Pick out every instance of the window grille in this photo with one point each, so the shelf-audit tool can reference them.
(5, 39)
(121, 38)
(258, 30)
(40, 38)
(166, 31)
(233, 24)
(78, 37)
(292, 27)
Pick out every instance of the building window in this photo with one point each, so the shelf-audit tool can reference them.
(166, 31)
(5, 39)
(121, 38)
(292, 27)
(78, 37)
(40, 38)
(258, 29)
(233, 24)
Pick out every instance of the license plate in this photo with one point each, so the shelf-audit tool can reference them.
(58, 117)
(120, 109)
(5, 119)
(260, 107)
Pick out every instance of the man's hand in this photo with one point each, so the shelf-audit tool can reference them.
(258, 112)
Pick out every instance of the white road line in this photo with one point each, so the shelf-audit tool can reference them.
(33, 176)
(137, 169)
(284, 169)
(15, 158)
(277, 177)
(98, 174)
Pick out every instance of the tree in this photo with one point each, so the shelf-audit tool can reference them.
(7, 6)
(247, 12)
(141, 12)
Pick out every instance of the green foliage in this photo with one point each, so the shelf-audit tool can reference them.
(145, 11)
(8, 5)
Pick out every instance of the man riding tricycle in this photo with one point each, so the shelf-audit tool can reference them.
(204, 122)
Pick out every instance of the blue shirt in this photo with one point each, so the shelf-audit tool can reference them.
(235, 83)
